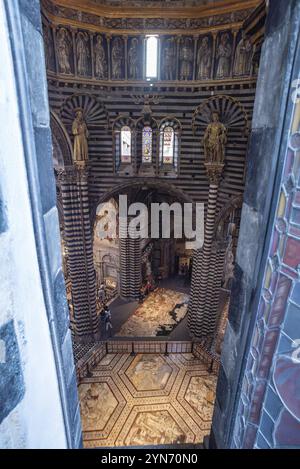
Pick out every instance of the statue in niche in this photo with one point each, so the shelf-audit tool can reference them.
(133, 59)
(224, 57)
(82, 53)
(48, 48)
(243, 56)
(117, 58)
(215, 139)
(100, 59)
(204, 59)
(81, 135)
(63, 51)
(186, 58)
(169, 59)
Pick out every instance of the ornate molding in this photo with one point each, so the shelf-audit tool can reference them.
(133, 21)
(214, 172)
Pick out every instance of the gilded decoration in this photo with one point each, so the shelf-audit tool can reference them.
(215, 138)
(81, 135)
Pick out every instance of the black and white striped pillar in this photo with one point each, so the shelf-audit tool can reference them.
(78, 238)
(199, 322)
(130, 264)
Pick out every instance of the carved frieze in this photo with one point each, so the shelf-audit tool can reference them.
(87, 54)
(146, 23)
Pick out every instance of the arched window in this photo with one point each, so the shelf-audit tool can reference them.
(126, 145)
(169, 143)
(147, 145)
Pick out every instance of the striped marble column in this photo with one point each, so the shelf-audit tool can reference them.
(199, 324)
(211, 310)
(130, 265)
(78, 238)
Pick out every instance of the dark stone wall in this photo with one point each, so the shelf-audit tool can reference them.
(29, 68)
(11, 374)
(266, 156)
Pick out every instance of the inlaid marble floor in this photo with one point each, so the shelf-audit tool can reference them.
(161, 311)
(147, 399)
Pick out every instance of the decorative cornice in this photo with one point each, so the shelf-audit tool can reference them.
(77, 14)
(139, 8)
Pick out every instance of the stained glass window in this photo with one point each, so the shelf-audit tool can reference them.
(126, 144)
(147, 145)
(168, 138)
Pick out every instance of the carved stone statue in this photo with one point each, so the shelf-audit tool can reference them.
(81, 134)
(100, 59)
(117, 58)
(82, 53)
(215, 138)
(186, 58)
(204, 59)
(169, 59)
(243, 56)
(224, 51)
(63, 51)
(133, 59)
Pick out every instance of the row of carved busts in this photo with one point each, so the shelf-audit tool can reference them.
(92, 55)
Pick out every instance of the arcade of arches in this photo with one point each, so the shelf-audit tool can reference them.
(154, 110)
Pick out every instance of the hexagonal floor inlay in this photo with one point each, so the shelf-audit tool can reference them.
(147, 399)
(97, 404)
(154, 428)
(149, 372)
(200, 394)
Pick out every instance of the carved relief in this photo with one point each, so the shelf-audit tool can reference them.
(100, 62)
(215, 138)
(223, 55)
(186, 59)
(149, 23)
(82, 53)
(204, 59)
(177, 59)
(169, 59)
(117, 55)
(64, 48)
(243, 56)
(133, 59)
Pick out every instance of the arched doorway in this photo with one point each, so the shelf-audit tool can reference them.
(147, 279)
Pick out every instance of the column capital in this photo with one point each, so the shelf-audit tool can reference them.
(72, 173)
(214, 172)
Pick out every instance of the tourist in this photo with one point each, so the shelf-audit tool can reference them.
(108, 325)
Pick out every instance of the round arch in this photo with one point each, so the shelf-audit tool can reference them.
(62, 145)
(126, 187)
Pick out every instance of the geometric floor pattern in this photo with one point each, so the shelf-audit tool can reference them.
(147, 399)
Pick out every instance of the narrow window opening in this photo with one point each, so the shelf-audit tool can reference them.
(151, 56)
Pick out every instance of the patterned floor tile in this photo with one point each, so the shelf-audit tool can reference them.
(147, 399)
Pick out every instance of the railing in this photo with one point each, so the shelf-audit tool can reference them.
(94, 356)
